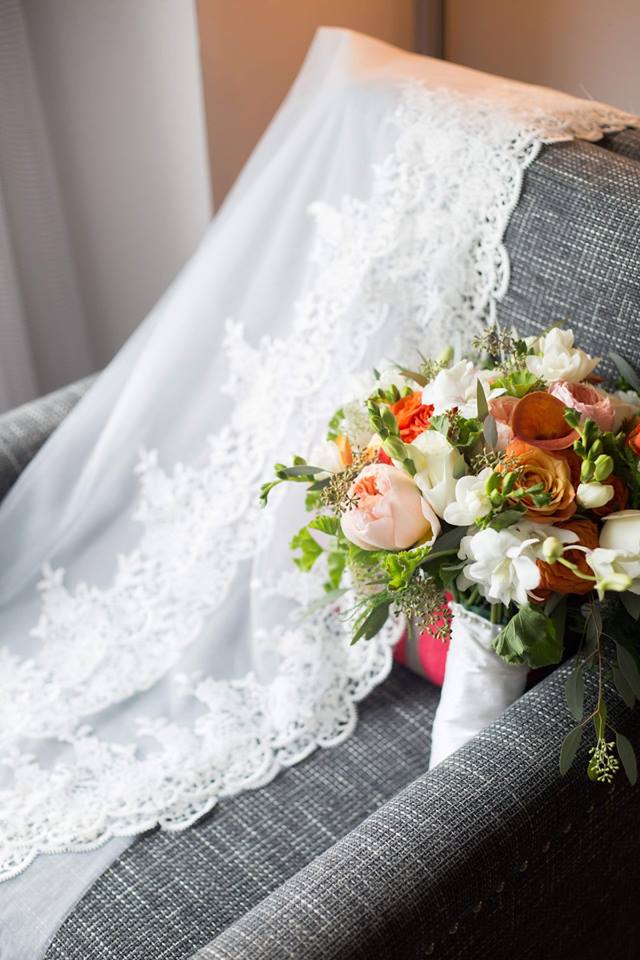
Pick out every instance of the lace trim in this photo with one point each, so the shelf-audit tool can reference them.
(427, 241)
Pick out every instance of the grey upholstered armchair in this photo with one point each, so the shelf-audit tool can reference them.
(358, 852)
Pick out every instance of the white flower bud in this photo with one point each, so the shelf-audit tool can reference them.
(590, 496)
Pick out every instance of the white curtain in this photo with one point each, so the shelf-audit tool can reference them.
(104, 178)
(39, 294)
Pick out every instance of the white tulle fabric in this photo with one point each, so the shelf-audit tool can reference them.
(157, 653)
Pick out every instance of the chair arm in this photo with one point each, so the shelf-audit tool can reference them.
(25, 429)
(490, 855)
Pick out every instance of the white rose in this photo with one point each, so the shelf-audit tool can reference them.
(472, 501)
(594, 495)
(558, 359)
(457, 386)
(438, 466)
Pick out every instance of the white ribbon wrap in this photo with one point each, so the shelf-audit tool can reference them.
(478, 684)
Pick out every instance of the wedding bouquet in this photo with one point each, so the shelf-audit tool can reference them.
(496, 499)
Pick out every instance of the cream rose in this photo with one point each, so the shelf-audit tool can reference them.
(557, 359)
(389, 513)
(616, 563)
(438, 467)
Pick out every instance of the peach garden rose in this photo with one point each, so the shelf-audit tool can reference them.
(389, 512)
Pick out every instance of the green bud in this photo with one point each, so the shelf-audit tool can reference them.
(552, 549)
(603, 467)
(496, 498)
(446, 356)
(596, 449)
(586, 471)
(394, 448)
(389, 421)
(492, 484)
(509, 482)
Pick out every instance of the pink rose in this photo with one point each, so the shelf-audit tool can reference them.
(587, 400)
(390, 513)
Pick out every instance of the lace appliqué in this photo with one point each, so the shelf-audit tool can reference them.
(423, 253)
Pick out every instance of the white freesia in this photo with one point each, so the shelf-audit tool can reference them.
(457, 386)
(438, 465)
(326, 455)
(472, 500)
(626, 404)
(502, 563)
(594, 495)
(616, 562)
(615, 570)
(557, 358)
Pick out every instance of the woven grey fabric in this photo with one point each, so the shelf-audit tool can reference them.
(627, 142)
(168, 894)
(574, 242)
(25, 429)
(491, 855)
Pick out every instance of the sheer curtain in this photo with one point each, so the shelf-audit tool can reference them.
(39, 295)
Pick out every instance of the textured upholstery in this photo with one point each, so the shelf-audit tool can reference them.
(574, 243)
(168, 894)
(490, 854)
(24, 430)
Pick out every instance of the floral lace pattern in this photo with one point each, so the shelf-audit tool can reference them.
(423, 252)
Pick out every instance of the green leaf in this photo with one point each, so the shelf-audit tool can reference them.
(266, 489)
(506, 519)
(623, 687)
(401, 566)
(300, 470)
(309, 548)
(530, 637)
(628, 757)
(336, 562)
(329, 525)
(569, 749)
(517, 384)
(574, 690)
(418, 378)
(626, 371)
(372, 623)
(481, 397)
(600, 720)
(629, 669)
(335, 424)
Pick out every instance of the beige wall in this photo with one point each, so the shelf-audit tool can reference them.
(590, 48)
(251, 51)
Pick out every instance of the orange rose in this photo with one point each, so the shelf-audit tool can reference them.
(633, 440)
(538, 466)
(413, 416)
(555, 577)
(619, 500)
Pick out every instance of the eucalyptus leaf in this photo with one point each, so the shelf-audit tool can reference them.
(628, 758)
(301, 470)
(626, 371)
(481, 397)
(569, 749)
(631, 603)
(372, 623)
(574, 690)
(490, 431)
(629, 669)
(623, 687)
(418, 378)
